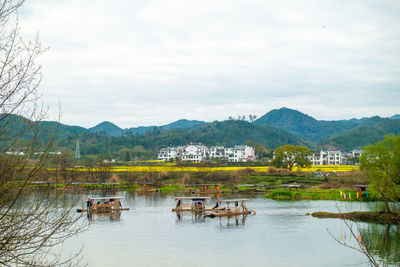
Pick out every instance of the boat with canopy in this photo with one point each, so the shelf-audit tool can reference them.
(103, 204)
(230, 207)
(195, 203)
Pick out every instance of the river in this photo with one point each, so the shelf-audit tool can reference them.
(280, 234)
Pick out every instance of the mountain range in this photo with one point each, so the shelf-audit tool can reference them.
(277, 127)
(291, 121)
(113, 130)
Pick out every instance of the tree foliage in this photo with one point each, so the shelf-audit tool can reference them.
(226, 133)
(288, 155)
(381, 162)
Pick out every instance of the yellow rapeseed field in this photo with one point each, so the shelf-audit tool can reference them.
(329, 168)
(171, 168)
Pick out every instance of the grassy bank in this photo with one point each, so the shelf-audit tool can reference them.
(319, 185)
(317, 194)
(363, 216)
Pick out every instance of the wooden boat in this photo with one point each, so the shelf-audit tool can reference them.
(103, 204)
(225, 209)
(196, 203)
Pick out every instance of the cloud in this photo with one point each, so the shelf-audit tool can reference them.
(152, 62)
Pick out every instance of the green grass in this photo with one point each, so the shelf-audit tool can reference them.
(363, 216)
(172, 188)
(315, 194)
(273, 181)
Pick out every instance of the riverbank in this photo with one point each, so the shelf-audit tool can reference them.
(319, 194)
(380, 217)
(311, 193)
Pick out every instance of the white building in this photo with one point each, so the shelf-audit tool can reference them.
(328, 158)
(241, 153)
(356, 153)
(197, 153)
(334, 158)
(217, 152)
(194, 153)
(168, 153)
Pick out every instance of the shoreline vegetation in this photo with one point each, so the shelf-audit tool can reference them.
(317, 183)
(380, 217)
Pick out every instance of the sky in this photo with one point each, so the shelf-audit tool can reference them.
(141, 63)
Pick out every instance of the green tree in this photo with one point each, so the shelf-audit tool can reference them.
(381, 163)
(288, 155)
(127, 155)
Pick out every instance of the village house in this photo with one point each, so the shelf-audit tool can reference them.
(332, 157)
(199, 152)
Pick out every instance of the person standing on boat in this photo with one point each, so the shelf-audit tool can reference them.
(178, 204)
(244, 206)
(216, 206)
(88, 203)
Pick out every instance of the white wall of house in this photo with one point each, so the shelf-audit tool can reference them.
(329, 158)
(200, 152)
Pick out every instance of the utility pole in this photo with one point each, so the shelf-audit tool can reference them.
(77, 151)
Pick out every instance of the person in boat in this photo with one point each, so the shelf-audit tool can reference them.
(178, 204)
(244, 206)
(88, 203)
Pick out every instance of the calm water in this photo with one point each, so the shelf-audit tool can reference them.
(279, 235)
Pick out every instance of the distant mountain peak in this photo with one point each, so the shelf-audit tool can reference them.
(108, 127)
(284, 117)
(107, 123)
(300, 124)
(395, 117)
(183, 123)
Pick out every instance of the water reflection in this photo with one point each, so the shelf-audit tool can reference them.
(382, 241)
(112, 216)
(232, 222)
(197, 217)
(150, 230)
(225, 222)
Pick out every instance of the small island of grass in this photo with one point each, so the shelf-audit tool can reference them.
(381, 217)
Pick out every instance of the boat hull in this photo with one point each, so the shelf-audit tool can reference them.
(190, 209)
(101, 210)
(228, 213)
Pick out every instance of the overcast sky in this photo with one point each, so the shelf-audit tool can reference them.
(152, 62)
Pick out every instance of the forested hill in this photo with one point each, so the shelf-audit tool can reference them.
(367, 132)
(302, 125)
(276, 128)
(108, 128)
(227, 133)
(111, 129)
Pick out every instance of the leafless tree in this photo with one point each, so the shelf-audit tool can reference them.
(379, 245)
(360, 245)
(32, 223)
